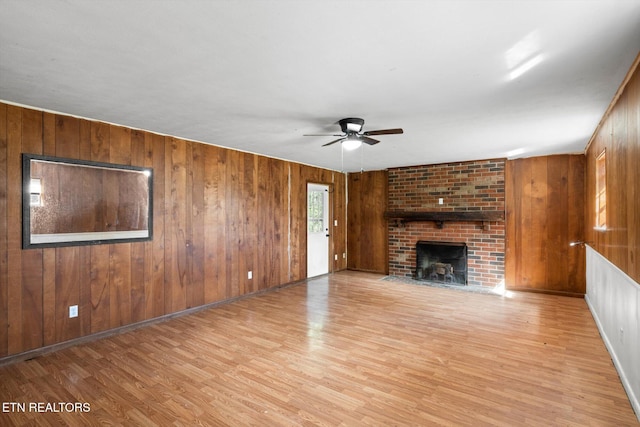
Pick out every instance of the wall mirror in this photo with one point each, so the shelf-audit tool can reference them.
(68, 202)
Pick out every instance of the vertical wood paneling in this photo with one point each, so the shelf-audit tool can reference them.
(32, 131)
(100, 142)
(235, 223)
(249, 222)
(545, 206)
(195, 290)
(4, 282)
(49, 255)
(272, 236)
(49, 134)
(232, 236)
(32, 280)
(100, 290)
(156, 298)
(187, 226)
(619, 136)
(218, 213)
(120, 261)
(368, 232)
(576, 213)
(67, 278)
(139, 262)
(339, 231)
(67, 260)
(84, 290)
(537, 245)
(84, 149)
(213, 233)
(175, 238)
(84, 282)
(297, 223)
(14, 236)
(67, 134)
(633, 178)
(120, 285)
(49, 296)
(617, 191)
(519, 221)
(354, 224)
(99, 283)
(31, 310)
(223, 233)
(558, 225)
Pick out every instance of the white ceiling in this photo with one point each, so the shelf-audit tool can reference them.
(257, 75)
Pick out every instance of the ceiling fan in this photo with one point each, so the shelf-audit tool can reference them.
(352, 135)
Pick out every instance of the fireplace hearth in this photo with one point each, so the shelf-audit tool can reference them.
(442, 262)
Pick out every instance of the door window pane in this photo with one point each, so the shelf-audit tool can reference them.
(315, 209)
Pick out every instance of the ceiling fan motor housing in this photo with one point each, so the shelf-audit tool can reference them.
(351, 125)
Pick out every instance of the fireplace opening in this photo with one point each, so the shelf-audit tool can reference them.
(443, 262)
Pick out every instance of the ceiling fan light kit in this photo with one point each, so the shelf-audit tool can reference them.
(351, 143)
(352, 135)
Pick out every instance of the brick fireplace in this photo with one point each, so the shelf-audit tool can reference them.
(461, 203)
(444, 262)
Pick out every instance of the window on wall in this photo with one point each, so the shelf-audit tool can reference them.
(315, 211)
(601, 191)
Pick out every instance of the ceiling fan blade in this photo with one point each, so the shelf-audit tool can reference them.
(368, 140)
(323, 134)
(333, 142)
(384, 132)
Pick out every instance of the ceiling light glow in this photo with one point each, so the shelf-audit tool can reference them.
(350, 144)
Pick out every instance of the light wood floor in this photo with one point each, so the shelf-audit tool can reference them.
(345, 349)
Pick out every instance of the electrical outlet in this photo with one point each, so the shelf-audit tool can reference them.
(250, 275)
(344, 255)
(73, 311)
(336, 257)
(335, 222)
(441, 201)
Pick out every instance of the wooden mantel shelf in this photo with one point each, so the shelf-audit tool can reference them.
(440, 217)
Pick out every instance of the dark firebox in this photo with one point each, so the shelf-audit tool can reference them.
(443, 262)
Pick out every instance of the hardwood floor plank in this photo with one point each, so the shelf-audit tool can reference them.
(344, 349)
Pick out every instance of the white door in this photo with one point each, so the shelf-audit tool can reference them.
(317, 229)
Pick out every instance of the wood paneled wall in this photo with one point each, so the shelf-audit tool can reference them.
(368, 245)
(619, 135)
(545, 212)
(218, 213)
